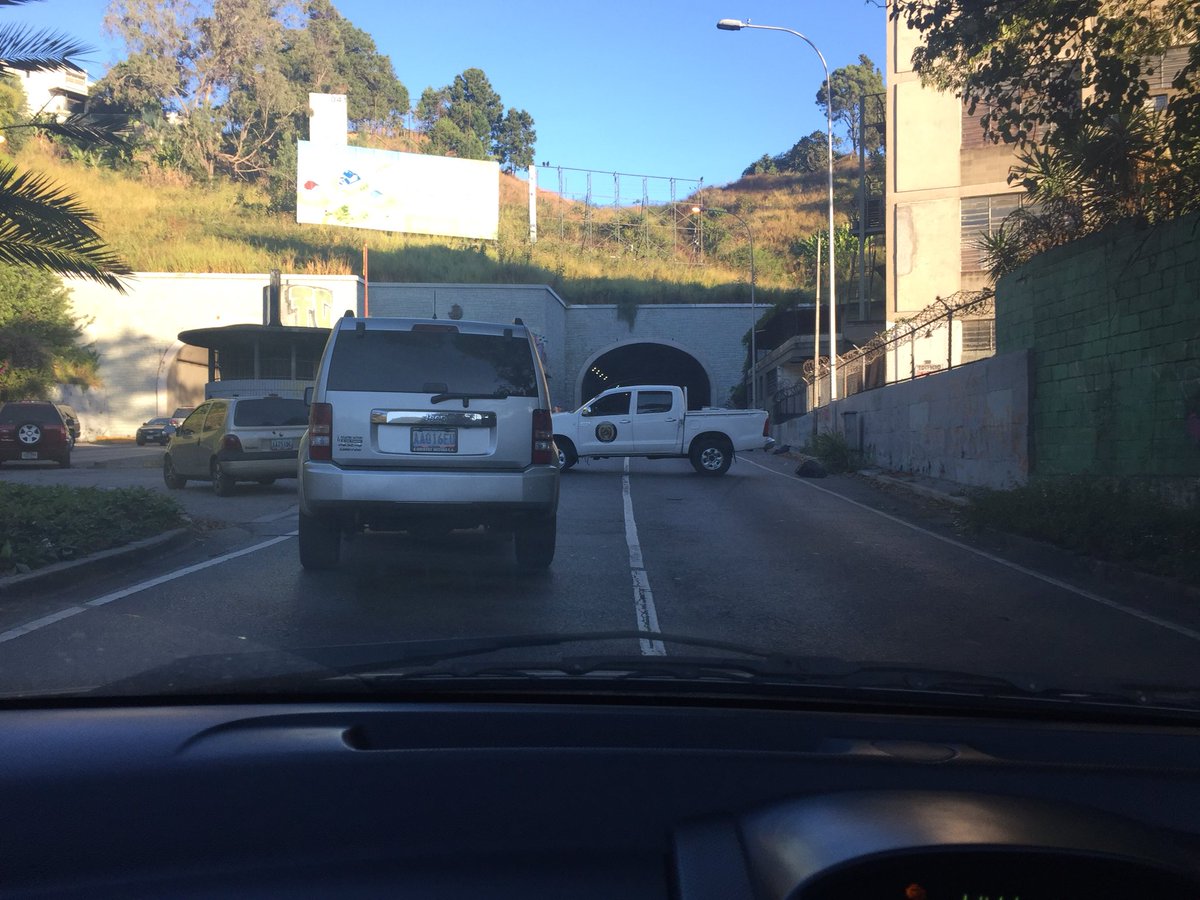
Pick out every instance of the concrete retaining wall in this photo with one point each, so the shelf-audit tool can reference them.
(968, 425)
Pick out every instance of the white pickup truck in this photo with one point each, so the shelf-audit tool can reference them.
(652, 420)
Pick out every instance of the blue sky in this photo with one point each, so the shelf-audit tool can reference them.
(649, 87)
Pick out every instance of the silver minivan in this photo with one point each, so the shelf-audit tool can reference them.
(425, 426)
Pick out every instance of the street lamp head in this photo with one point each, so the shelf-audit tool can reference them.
(697, 210)
(731, 24)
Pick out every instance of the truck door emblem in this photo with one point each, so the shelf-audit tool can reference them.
(606, 432)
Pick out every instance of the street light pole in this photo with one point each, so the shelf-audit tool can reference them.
(697, 210)
(738, 25)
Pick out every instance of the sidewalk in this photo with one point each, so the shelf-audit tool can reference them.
(932, 488)
(116, 455)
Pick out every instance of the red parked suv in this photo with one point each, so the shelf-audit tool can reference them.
(34, 429)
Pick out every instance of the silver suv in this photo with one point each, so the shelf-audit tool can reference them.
(426, 426)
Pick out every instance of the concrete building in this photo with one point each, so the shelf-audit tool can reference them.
(945, 185)
(57, 92)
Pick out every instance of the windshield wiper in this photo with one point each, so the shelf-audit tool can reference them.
(501, 394)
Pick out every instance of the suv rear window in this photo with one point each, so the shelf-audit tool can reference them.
(38, 413)
(420, 362)
(270, 412)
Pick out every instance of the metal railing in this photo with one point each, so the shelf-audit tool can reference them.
(921, 345)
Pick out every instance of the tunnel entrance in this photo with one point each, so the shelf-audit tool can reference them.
(648, 363)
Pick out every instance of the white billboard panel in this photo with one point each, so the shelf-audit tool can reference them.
(390, 191)
(328, 119)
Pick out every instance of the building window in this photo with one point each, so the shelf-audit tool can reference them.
(983, 216)
(973, 135)
(978, 335)
(1164, 67)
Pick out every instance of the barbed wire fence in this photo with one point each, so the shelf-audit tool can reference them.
(912, 348)
(623, 213)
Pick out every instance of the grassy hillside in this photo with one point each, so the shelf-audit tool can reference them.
(160, 223)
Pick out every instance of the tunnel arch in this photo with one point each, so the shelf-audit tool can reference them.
(642, 361)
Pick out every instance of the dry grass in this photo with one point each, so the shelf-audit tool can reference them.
(163, 222)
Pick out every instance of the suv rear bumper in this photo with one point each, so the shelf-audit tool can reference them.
(389, 494)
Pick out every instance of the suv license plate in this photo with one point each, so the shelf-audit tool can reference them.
(283, 443)
(434, 440)
(29, 454)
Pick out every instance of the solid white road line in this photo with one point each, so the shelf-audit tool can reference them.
(643, 597)
(1046, 579)
(38, 624)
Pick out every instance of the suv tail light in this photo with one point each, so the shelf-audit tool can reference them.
(320, 432)
(231, 442)
(767, 426)
(543, 438)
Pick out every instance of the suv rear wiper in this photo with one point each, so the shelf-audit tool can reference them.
(501, 394)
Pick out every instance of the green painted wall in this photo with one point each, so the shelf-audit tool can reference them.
(1114, 325)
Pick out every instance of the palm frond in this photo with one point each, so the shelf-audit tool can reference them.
(34, 50)
(85, 128)
(42, 225)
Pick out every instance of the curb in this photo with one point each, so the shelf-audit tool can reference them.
(920, 489)
(64, 572)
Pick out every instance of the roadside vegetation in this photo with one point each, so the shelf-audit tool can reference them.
(1103, 519)
(41, 525)
(834, 452)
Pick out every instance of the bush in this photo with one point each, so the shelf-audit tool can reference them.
(1105, 519)
(831, 449)
(40, 525)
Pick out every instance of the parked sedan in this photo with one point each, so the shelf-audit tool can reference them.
(227, 440)
(156, 431)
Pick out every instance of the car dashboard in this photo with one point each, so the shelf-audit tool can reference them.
(592, 797)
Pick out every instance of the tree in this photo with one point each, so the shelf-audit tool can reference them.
(850, 84)
(467, 118)
(41, 225)
(40, 340)
(330, 55)
(809, 154)
(475, 105)
(514, 145)
(1067, 82)
(231, 87)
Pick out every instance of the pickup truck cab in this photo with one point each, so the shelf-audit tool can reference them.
(653, 421)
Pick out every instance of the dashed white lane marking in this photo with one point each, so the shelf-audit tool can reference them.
(37, 624)
(1045, 579)
(643, 597)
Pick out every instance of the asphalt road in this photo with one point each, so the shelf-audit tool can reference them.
(759, 557)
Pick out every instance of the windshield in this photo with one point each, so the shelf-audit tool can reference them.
(432, 362)
(898, 344)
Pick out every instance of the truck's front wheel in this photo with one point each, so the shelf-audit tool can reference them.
(711, 456)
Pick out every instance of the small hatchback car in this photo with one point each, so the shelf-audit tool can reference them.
(32, 430)
(234, 439)
(426, 426)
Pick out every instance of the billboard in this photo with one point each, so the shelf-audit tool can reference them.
(390, 191)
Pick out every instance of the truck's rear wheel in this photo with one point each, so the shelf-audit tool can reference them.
(711, 456)
(567, 456)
